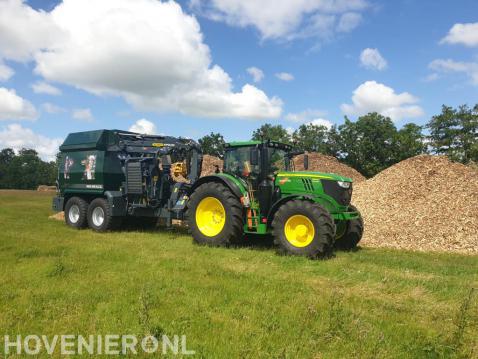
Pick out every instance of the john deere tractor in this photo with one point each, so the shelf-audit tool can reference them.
(258, 192)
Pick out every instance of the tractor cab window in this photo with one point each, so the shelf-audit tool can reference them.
(237, 162)
(278, 159)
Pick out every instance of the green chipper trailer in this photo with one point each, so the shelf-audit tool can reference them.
(108, 177)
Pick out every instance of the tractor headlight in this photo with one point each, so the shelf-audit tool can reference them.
(343, 184)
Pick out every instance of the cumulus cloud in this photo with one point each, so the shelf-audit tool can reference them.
(83, 114)
(17, 137)
(446, 66)
(284, 76)
(464, 34)
(152, 54)
(372, 59)
(321, 122)
(144, 126)
(5, 71)
(45, 88)
(14, 107)
(304, 116)
(376, 97)
(256, 73)
(51, 108)
(285, 19)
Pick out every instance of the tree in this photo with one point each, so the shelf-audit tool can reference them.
(410, 142)
(369, 145)
(213, 144)
(25, 170)
(454, 132)
(271, 132)
(311, 138)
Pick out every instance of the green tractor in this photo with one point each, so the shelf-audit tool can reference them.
(258, 192)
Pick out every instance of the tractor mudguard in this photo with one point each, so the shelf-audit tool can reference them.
(221, 178)
(280, 202)
(117, 202)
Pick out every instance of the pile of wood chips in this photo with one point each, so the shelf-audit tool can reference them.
(45, 188)
(424, 203)
(328, 164)
(209, 165)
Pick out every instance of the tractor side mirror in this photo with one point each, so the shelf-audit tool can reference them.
(254, 157)
(306, 162)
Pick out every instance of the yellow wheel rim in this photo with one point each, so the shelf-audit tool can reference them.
(299, 230)
(210, 216)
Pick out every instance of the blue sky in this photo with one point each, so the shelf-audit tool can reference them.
(421, 54)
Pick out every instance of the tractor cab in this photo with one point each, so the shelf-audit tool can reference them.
(257, 160)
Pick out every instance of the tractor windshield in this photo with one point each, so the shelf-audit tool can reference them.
(279, 160)
(237, 162)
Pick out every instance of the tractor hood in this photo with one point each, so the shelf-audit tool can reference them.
(318, 175)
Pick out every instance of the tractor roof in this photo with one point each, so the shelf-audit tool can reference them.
(253, 143)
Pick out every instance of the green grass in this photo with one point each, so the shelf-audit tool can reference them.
(230, 303)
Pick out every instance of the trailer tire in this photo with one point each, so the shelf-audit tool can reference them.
(100, 217)
(303, 228)
(215, 216)
(75, 212)
(353, 233)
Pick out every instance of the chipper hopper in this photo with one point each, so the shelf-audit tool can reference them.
(108, 177)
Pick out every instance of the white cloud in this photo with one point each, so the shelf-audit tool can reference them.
(376, 97)
(321, 122)
(446, 66)
(349, 21)
(45, 88)
(14, 107)
(431, 77)
(144, 126)
(17, 137)
(152, 54)
(372, 59)
(285, 19)
(464, 34)
(284, 76)
(83, 114)
(24, 30)
(5, 71)
(256, 73)
(304, 116)
(51, 108)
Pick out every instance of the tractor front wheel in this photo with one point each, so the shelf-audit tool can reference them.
(352, 235)
(215, 215)
(303, 228)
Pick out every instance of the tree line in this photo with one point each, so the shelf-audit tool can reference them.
(370, 144)
(373, 142)
(25, 170)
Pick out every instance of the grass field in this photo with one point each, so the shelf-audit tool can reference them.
(230, 303)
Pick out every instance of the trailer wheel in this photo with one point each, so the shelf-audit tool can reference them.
(215, 216)
(303, 228)
(75, 212)
(353, 233)
(100, 218)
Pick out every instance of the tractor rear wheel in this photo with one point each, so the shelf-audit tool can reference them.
(75, 212)
(303, 228)
(215, 215)
(353, 233)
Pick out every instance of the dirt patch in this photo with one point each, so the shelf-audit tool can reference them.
(328, 164)
(60, 216)
(423, 203)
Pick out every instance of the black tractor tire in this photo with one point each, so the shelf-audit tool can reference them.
(353, 234)
(232, 231)
(75, 212)
(322, 243)
(100, 217)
